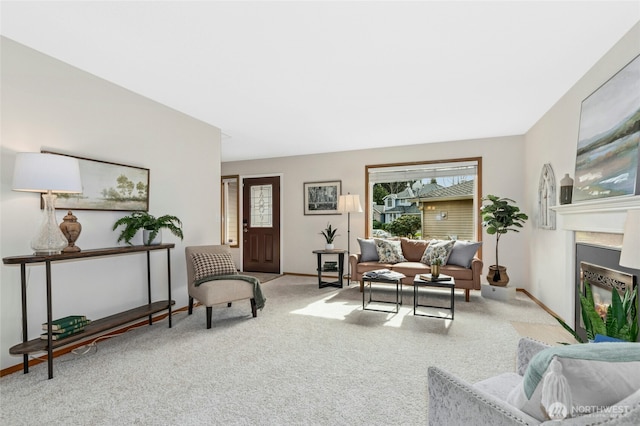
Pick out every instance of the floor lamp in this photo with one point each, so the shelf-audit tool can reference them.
(348, 204)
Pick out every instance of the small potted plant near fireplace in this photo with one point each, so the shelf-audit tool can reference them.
(151, 226)
(500, 216)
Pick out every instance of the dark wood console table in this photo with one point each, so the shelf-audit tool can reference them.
(97, 326)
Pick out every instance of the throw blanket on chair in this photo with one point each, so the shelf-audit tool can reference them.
(257, 291)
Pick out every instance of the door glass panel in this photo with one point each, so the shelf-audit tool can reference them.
(230, 210)
(261, 206)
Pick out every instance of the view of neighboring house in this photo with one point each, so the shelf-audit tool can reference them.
(446, 212)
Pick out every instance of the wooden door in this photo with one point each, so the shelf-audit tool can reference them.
(261, 224)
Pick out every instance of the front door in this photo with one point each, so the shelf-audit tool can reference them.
(261, 224)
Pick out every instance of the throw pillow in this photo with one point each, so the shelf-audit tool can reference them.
(368, 250)
(437, 249)
(413, 250)
(212, 264)
(389, 251)
(462, 253)
(585, 377)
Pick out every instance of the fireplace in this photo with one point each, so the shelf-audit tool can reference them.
(599, 266)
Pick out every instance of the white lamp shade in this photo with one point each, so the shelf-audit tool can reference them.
(38, 172)
(349, 203)
(630, 256)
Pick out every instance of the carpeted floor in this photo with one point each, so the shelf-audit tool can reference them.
(311, 357)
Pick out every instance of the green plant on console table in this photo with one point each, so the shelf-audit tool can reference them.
(143, 220)
(621, 319)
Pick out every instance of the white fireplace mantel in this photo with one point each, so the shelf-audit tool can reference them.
(601, 215)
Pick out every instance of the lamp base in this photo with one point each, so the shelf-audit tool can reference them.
(49, 239)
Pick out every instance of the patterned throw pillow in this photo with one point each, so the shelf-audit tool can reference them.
(437, 249)
(389, 251)
(212, 264)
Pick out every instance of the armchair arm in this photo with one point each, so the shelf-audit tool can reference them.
(527, 348)
(453, 401)
(354, 259)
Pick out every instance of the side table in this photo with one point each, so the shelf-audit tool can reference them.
(380, 280)
(450, 285)
(340, 270)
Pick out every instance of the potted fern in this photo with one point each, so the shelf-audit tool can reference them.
(500, 216)
(151, 226)
(329, 235)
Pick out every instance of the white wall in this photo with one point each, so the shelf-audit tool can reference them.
(49, 104)
(554, 140)
(503, 174)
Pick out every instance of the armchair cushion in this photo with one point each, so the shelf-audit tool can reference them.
(582, 377)
(212, 264)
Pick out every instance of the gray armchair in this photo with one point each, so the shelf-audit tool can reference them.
(219, 291)
(453, 401)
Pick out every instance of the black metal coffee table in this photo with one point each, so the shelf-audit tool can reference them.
(397, 280)
(448, 284)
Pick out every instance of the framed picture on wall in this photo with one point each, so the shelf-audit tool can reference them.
(322, 197)
(608, 154)
(107, 186)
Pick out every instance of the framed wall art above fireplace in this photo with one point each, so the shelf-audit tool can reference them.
(608, 153)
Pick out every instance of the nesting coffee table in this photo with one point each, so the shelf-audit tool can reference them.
(445, 282)
(397, 280)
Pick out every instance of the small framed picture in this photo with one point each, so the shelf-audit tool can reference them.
(322, 197)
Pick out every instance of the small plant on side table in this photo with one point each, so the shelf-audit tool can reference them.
(329, 235)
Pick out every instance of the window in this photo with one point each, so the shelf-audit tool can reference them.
(431, 199)
(230, 210)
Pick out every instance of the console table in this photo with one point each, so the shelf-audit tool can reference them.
(97, 326)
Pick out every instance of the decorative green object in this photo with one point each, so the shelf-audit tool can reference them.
(621, 319)
(500, 216)
(143, 220)
(329, 233)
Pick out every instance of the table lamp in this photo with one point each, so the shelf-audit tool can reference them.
(630, 255)
(348, 204)
(47, 173)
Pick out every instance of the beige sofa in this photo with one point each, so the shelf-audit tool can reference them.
(465, 278)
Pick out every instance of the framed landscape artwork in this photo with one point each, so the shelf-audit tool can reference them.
(107, 186)
(607, 157)
(322, 197)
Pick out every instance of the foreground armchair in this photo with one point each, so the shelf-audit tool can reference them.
(212, 278)
(495, 401)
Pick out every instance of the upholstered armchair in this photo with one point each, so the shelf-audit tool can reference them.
(596, 392)
(212, 279)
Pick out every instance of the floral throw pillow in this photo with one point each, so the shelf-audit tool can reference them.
(437, 249)
(389, 251)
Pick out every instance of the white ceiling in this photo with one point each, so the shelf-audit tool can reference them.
(291, 78)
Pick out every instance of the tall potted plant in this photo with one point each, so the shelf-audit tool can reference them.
(150, 225)
(499, 216)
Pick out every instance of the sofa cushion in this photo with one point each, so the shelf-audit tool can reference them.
(368, 250)
(463, 252)
(389, 251)
(586, 377)
(212, 264)
(437, 249)
(412, 250)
